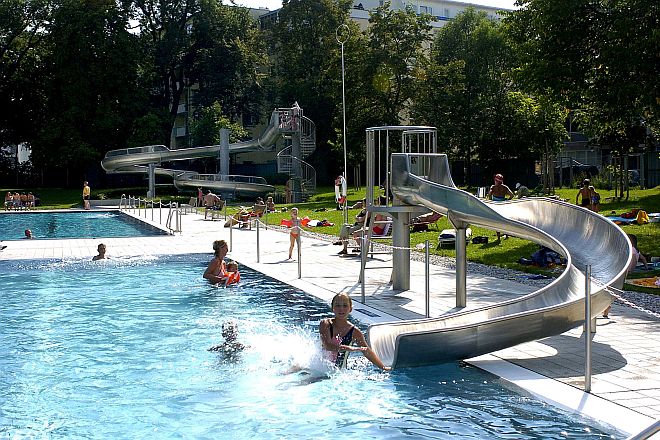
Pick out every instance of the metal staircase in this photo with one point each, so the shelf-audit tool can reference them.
(286, 162)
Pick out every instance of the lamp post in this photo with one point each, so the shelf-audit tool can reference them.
(342, 33)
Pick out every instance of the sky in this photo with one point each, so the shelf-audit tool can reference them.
(276, 4)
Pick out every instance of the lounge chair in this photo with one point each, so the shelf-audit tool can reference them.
(258, 210)
(422, 222)
(191, 206)
(214, 211)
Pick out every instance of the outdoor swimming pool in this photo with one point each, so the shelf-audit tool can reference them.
(76, 224)
(118, 349)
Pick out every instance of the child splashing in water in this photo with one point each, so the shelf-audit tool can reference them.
(338, 334)
(294, 235)
(231, 348)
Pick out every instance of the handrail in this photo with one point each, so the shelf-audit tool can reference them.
(137, 204)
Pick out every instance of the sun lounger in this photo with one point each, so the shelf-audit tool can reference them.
(215, 211)
(422, 222)
(191, 206)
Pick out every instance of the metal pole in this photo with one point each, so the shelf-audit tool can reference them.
(231, 234)
(299, 261)
(225, 210)
(427, 275)
(257, 220)
(587, 330)
(461, 267)
(342, 33)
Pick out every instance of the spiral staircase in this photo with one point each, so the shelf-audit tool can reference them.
(291, 165)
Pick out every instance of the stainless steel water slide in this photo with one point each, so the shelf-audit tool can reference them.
(133, 160)
(584, 237)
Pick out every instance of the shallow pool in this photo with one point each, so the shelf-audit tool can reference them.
(118, 349)
(77, 224)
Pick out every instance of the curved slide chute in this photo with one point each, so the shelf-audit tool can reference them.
(583, 237)
(134, 160)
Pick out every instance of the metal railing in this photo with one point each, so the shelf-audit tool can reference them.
(147, 208)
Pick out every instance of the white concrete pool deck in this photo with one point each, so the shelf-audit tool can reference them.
(626, 368)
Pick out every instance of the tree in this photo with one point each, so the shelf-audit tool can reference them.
(466, 91)
(227, 52)
(306, 62)
(395, 60)
(208, 122)
(89, 86)
(200, 42)
(600, 57)
(384, 67)
(24, 25)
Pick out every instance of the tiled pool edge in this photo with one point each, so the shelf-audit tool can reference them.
(564, 396)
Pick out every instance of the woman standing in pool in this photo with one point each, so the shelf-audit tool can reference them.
(337, 335)
(216, 272)
(294, 235)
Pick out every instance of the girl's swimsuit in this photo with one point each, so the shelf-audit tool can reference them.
(498, 199)
(295, 227)
(342, 356)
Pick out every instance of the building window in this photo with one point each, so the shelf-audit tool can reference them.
(447, 12)
(426, 10)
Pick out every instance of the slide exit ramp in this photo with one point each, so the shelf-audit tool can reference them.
(583, 237)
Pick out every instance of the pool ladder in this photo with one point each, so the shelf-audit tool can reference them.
(174, 217)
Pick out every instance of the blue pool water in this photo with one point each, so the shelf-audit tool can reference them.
(77, 224)
(118, 349)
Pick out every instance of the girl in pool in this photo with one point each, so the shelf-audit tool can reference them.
(216, 272)
(337, 335)
(101, 250)
(294, 235)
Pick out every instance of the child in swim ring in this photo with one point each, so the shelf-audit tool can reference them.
(338, 335)
(294, 234)
(233, 275)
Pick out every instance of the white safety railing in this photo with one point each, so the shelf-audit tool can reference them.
(147, 208)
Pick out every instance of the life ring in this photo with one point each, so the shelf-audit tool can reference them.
(340, 190)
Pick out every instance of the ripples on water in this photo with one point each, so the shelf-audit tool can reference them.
(118, 349)
(86, 224)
